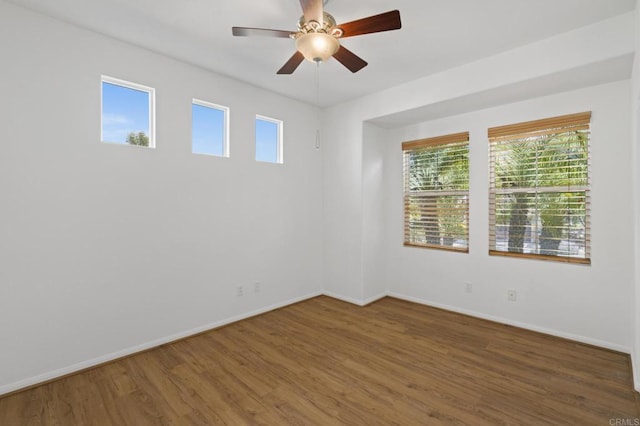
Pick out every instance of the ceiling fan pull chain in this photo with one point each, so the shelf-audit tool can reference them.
(318, 105)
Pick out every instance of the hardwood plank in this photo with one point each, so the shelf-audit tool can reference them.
(324, 362)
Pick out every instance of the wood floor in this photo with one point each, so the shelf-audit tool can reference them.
(326, 362)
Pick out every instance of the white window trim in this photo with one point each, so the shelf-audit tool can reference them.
(225, 140)
(279, 148)
(135, 86)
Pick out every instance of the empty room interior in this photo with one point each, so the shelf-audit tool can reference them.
(319, 212)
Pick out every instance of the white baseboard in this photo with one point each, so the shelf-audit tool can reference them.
(51, 375)
(634, 371)
(526, 326)
(374, 299)
(343, 298)
(353, 300)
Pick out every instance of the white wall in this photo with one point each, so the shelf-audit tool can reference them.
(588, 303)
(106, 249)
(635, 112)
(342, 209)
(585, 58)
(374, 212)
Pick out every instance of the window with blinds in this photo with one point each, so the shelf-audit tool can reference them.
(436, 192)
(539, 201)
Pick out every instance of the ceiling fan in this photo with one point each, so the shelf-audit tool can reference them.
(317, 37)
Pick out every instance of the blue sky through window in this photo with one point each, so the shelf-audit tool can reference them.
(124, 110)
(208, 130)
(267, 140)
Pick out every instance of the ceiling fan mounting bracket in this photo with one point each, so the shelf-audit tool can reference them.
(328, 26)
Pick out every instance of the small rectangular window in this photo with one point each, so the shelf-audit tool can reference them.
(209, 129)
(268, 140)
(539, 196)
(128, 115)
(436, 192)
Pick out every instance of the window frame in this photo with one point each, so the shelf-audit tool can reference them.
(279, 142)
(431, 144)
(225, 137)
(151, 105)
(508, 134)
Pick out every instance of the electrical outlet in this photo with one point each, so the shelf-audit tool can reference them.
(256, 287)
(239, 291)
(468, 287)
(512, 295)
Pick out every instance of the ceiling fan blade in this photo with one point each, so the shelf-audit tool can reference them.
(373, 24)
(292, 64)
(349, 59)
(260, 32)
(312, 10)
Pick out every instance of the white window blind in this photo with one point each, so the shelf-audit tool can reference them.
(436, 192)
(539, 198)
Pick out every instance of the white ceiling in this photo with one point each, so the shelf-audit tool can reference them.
(436, 35)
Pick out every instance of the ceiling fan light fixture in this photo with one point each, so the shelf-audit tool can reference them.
(317, 46)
